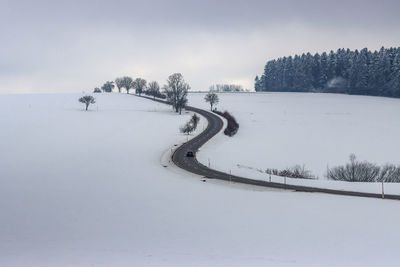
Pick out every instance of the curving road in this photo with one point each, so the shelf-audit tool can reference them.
(215, 124)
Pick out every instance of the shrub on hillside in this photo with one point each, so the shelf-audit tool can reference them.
(293, 172)
(389, 173)
(363, 171)
(233, 126)
(191, 125)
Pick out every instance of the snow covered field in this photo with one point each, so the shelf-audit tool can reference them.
(88, 189)
(279, 130)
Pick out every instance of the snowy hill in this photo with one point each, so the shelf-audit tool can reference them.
(88, 189)
(280, 130)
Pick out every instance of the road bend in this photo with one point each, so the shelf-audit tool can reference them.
(215, 125)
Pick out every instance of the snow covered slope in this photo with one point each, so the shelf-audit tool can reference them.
(87, 189)
(279, 130)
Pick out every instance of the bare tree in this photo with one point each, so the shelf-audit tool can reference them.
(108, 87)
(195, 121)
(176, 91)
(154, 89)
(182, 101)
(119, 84)
(226, 88)
(211, 98)
(87, 100)
(127, 83)
(140, 85)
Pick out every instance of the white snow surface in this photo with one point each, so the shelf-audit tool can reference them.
(280, 130)
(88, 189)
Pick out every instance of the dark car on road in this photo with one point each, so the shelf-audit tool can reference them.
(190, 154)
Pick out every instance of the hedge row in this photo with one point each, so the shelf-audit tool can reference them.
(232, 127)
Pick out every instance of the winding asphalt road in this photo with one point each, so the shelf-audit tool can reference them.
(215, 124)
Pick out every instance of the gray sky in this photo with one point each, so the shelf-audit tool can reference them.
(74, 46)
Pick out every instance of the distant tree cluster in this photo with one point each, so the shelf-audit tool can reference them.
(344, 71)
(363, 171)
(175, 91)
(226, 88)
(139, 84)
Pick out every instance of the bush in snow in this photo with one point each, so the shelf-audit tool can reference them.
(191, 125)
(87, 100)
(96, 90)
(187, 128)
(354, 171)
(232, 127)
(389, 173)
(363, 171)
(293, 172)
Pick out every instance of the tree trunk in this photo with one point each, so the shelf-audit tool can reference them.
(87, 105)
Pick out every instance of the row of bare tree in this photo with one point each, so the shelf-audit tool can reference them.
(174, 91)
(139, 84)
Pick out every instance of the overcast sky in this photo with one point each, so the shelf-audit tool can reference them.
(74, 46)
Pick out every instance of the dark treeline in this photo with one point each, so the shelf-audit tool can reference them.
(344, 71)
(226, 88)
